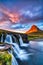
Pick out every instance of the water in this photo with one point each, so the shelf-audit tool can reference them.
(33, 55)
(14, 61)
(2, 47)
(37, 49)
(22, 44)
(27, 54)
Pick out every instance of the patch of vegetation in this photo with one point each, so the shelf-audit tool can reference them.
(5, 58)
(37, 35)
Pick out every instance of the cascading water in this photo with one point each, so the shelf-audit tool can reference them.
(9, 41)
(17, 52)
(2, 38)
(21, 42)
(14, 61)
(16, 48)
(20, 53)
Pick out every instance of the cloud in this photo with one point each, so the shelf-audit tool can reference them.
(20, 26)
(33, 15)
(25, 11)
(5, 24)
(14, 17)
(36, 11)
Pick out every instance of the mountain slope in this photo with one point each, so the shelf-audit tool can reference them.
(33, 29)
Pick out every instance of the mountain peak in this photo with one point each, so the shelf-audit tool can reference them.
(33, 28)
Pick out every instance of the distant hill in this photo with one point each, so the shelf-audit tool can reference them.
(33, 29)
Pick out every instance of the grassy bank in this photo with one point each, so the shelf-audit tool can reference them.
(5, 58)
(38, 35)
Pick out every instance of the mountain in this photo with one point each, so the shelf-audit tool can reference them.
(34, 28)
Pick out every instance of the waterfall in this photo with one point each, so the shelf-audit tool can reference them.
(17, 51)
(14, 61)
(2, 38)
(21, 42)
(8, 39)
(14, 46)
(20, 53)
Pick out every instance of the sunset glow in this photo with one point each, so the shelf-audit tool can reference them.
(13, 17)
(21, 14)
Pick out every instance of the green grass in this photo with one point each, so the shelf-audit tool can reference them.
(5, 58)
(37, 35)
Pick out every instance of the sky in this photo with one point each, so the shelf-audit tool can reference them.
(21, 14)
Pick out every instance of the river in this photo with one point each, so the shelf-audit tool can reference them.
(30, 55)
